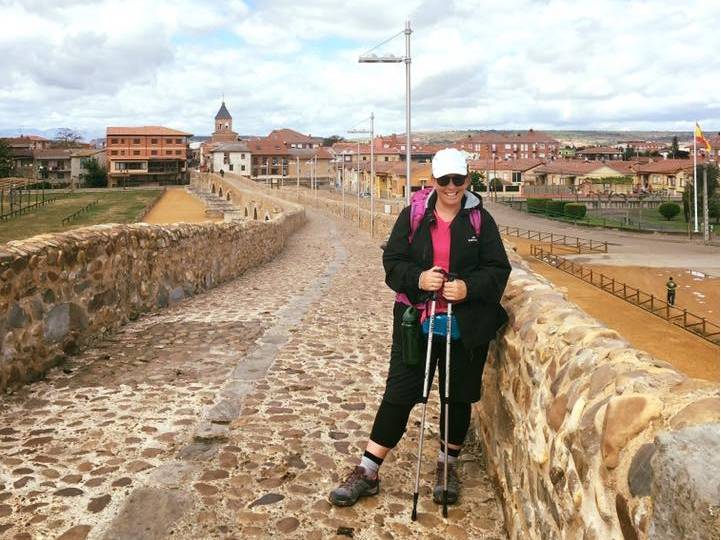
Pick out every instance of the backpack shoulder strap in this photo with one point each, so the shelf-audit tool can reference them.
(476, 220)
(418, 210)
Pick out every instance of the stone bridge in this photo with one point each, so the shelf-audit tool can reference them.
(216, 380)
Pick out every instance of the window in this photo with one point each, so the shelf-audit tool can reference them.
(230, 166)
(178, 152)
(122, 152)
(153, 141)
(153, 152)
(113, 152)
(168, 152)
(129, 165)
(178, 141)
(242, 156)
(516, 176)
(136, 141)
(113, 141)
(122, 141)
(136, 152)
(168, 141)
(242, 167)
(385, 158)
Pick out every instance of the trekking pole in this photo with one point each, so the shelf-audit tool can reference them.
(445, 405)
(414, 513)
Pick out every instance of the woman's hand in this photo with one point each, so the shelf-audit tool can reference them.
(455, 291)
(431, 280)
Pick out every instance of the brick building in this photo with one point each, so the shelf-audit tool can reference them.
(146, 155)
(530, 144)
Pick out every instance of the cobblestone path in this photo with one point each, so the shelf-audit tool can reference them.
(231, 415)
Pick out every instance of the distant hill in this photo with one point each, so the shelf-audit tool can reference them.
(577, 138)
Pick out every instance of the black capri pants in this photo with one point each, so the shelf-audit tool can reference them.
(404, 388)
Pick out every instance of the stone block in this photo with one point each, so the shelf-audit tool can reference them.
(62, 319)
(626, 416)
(685, 486)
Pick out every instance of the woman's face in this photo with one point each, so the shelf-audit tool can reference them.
(451, 194)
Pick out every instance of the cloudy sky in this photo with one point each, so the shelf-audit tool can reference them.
(546, 64)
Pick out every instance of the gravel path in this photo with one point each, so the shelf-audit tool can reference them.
(231, 415)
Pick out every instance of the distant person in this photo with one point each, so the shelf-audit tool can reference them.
(222, 173)
(671, 291)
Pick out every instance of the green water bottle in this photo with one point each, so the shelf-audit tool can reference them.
(411, 337)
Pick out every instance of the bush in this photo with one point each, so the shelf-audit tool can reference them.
(555, 208)
(669, 210)
(575, 211)
(536, 206)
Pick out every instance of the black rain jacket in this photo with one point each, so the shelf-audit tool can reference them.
(481, 262)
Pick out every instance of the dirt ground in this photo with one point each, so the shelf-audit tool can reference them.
(694, 356)
(177, 205)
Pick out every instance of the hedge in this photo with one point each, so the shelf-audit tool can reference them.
(669, 210)
(537, 206)
(575, 211)
(555, 208)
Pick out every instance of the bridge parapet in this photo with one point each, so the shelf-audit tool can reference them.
(60, 291)
(589, 438)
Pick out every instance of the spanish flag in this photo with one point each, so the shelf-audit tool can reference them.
(700, 139)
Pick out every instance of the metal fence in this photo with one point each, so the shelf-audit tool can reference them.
(571, 244)
(16, 201)
(76, 214)
(680, 317)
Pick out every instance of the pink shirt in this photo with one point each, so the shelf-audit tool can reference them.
(441, 239)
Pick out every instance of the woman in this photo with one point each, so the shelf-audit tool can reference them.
(449, 239)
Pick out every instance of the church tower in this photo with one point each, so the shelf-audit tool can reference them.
(224, 126)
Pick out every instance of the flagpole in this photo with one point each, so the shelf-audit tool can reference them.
(695, 184)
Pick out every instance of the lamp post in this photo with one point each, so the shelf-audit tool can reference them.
(373, 170)
(390, 59)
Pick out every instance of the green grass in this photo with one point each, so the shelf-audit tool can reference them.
(114, 207)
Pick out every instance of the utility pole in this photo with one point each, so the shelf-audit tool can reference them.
(705, 204)
(373, 178)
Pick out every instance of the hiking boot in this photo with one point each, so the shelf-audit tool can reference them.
(357, 485)
(454, 485)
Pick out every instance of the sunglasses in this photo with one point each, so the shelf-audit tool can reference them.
(457, 180)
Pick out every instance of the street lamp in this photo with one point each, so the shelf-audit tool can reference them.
(391, 59)
(373, 172)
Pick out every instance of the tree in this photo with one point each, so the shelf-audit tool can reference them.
(669, 210)
(330, 141)
(477, 179)
(94, 175)
(6, 160)
(674, 147)
(496, 185)
(688, 193)
(628, 153)
(67, 138)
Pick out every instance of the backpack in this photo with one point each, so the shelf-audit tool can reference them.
(419, 204)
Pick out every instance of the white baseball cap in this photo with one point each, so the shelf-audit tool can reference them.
(449, 161)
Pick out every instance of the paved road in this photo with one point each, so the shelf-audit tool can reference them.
(230, 415)
(625, 248)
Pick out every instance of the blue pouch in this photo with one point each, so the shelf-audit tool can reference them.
(440, 326)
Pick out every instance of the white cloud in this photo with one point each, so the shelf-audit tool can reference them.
(282, 63)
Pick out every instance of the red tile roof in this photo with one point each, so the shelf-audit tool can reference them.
(670, 166)
(291, 136)
(600, 150)
(504, 165)
(570, 167)
(145, 130)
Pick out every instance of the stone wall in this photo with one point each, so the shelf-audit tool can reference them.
(59, 291)
(588, 438)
